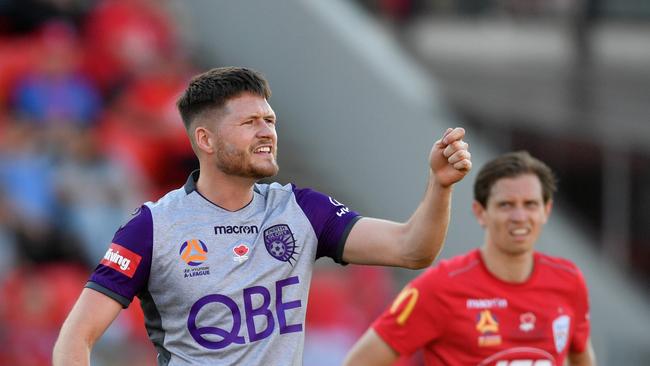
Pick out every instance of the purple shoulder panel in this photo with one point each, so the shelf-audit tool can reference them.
(330, 219)
(124, 270)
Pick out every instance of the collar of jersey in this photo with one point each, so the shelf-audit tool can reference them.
(511, 285)
(190, 186)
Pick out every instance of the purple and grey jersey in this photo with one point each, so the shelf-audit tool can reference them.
(220, 287)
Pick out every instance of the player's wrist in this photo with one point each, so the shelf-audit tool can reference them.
(438, 184)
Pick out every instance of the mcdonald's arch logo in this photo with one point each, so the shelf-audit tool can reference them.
(409, 296)
(194, 252)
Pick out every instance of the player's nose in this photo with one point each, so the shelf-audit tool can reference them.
(265, 129)
(518, 214)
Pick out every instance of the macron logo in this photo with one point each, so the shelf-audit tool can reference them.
(121, 260)
(487, 303)
(243, 229)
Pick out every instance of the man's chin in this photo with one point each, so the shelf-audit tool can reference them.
(520, 249)
(266, 172)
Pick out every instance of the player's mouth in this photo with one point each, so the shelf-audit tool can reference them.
(520, 231)
(263, 149)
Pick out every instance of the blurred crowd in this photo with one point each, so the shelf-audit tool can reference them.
(88, 131)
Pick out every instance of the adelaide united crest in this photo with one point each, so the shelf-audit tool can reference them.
(280, 243)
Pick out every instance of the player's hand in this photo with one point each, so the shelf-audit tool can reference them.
(450, 159)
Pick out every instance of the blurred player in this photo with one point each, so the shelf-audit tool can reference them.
(503, 304)
(222, 266)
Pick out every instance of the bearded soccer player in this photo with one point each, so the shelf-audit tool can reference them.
(222, 266)
(502, 304)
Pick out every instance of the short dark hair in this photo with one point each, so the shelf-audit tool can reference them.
(512, 165)
(212, 89)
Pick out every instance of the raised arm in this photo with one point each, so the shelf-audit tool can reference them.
(417, 242)
(88, 320)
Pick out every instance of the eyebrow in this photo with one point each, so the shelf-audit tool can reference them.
(526, 200)
(262, 115)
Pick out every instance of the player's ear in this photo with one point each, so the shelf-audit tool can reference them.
(204, 139)
(479, 212)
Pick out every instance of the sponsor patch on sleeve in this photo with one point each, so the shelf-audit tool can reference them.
(121, 259)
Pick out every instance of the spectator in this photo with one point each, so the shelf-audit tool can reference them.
(125, 38)
(93, 193)
(55, 94)
(27, 183)
(143, 125)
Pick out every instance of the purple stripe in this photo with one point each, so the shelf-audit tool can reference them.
(137, 236)
(329, 219)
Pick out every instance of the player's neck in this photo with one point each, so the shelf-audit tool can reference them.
(227, 191)
(507, 267)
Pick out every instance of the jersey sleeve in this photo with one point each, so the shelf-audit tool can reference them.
(582, 322)
(124, 270)
(416, 317)
(330, 219)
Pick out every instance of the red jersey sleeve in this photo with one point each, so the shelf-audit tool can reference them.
(416, 317)
(582, 325)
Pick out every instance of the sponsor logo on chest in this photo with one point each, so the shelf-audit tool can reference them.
(236, 229)
(494, 303)
(253, 314)
(520, 356)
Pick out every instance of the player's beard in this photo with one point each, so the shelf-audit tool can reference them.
(233, 161)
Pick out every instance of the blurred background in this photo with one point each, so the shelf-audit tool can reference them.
(89, 130)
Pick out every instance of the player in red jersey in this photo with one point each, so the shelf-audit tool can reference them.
(500, 305)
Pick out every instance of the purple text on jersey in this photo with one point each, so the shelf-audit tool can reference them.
(232, 336)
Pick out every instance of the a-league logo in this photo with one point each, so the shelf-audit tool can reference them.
(193, 252)
(280, 243)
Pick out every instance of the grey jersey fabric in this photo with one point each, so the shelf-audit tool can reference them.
(220, 287)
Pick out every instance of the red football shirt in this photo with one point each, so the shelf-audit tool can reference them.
(460, 314)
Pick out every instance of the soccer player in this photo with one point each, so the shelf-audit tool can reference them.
(502, 304)
(222, 266)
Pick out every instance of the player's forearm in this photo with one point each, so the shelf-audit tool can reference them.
(367, 358)
(70, 350)
(79, 332)
(87, 321)
(426, 230)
